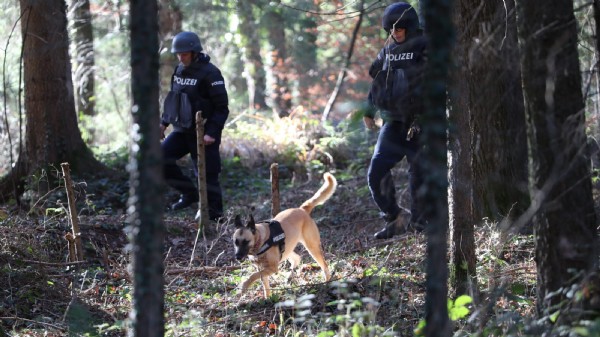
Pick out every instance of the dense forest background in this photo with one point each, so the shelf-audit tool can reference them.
(291, 69)
(511, 192)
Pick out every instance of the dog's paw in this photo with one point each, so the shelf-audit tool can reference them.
(292, 277)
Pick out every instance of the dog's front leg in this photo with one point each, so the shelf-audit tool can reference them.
(264, 278)
(250, 280)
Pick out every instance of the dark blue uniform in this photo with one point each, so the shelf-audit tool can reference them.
(204, 86)
(392, 144)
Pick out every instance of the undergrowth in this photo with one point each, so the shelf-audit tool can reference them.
(377, 289)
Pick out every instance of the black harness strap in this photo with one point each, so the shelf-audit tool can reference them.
(276, 237)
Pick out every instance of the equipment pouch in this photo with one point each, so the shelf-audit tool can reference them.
(177, 110)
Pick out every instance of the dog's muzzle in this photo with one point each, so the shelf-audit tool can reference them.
(241, 254)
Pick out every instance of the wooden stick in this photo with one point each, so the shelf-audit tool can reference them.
(275, 200)
(72, 210)
(71, 244)
(202, 214)
(202, 193)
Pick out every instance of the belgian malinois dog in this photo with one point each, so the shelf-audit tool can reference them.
(271, 243)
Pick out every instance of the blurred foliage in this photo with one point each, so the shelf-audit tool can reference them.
(317, 41)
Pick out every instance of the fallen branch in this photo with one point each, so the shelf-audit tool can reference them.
(35, 322)
(201, 270)
(56, 264)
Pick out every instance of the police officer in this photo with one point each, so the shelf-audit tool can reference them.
(402, 60)
(196, 85)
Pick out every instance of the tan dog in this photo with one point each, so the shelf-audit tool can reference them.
(297, 225)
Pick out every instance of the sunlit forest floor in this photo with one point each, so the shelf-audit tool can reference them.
(378, 287)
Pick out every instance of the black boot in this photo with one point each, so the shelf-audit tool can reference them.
(387, 232)
(185, 200)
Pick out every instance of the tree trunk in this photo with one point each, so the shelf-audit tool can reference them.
(280, 91)
(52, 136)
(146, 202)
(434, 194)
(254, 67)
(83, 39)
(499, 144)
(170, 21)
(342, 74)
(304, 53)
(565, 224)
(460, 199)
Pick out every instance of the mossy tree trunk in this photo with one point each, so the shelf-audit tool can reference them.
(146, 229)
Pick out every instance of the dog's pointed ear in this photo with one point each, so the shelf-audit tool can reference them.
(238, 221)
(251, 224)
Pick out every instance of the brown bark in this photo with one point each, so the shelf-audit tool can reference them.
(254, 67)
(202, 215)
(275, 200)
(499, 144)
(170, 19)
(280, 91)
(342, 74)
(52, 135)
(565, 223)
(72, 213)
(463, 254)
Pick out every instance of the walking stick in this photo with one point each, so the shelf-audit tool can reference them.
(202, 214)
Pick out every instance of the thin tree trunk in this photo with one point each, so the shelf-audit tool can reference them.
(342, 75)
(170, 19)
(146, 202)
(460, 199)
(433, 163)
(254, 67)
(280, 91)
(83, 39)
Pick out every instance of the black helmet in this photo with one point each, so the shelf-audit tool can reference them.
(400, 15)
(186, 41)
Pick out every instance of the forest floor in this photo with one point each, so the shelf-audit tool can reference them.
(378, 287)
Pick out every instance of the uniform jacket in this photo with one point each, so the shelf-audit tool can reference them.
(205, 87)
(410, 56)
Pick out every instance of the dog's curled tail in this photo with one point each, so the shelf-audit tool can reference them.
(322, 195)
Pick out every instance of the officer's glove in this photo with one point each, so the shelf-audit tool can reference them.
(413, 131)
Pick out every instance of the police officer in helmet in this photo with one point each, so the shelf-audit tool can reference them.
(396, 93)
(196, 85)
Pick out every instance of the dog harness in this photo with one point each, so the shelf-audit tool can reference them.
(276, 237)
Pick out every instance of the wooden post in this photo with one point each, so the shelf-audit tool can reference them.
(71, 245)
(202, 215)
(72, 210)
(275, 201)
